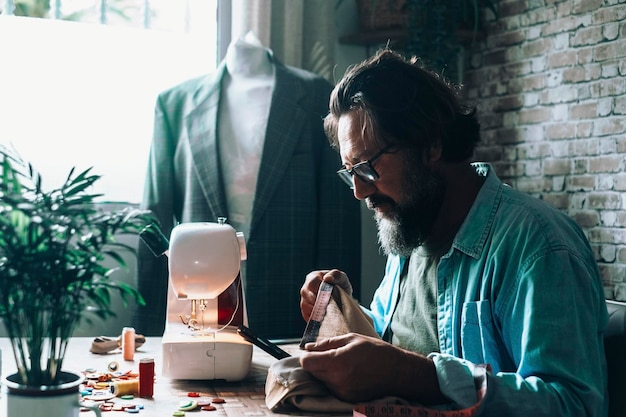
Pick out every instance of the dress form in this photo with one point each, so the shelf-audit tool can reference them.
(305, 221)
(244, 109)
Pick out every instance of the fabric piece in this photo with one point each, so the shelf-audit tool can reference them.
(290, 387)
(344, 315)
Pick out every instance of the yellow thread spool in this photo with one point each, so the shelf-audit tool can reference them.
(128, 387)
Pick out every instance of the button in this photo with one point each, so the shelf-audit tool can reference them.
(187, 405)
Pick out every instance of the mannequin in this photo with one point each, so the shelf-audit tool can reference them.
(247, 58)
(244, 109)
(247, 142)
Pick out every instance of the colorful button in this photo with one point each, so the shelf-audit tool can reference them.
(100, 395)
(105, 407)
(187, 405)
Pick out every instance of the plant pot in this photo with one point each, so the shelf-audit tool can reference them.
(44, 401)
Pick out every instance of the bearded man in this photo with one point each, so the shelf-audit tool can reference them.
(479, 276)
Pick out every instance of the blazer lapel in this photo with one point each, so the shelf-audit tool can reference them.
(284, 125)
(202, 130)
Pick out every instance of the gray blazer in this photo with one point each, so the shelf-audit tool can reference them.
(304, 218)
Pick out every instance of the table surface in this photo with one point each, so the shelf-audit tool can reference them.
(243, 398)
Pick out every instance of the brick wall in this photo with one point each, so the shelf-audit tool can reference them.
(550, 85)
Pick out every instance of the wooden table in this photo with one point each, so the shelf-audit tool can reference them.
(244, 398)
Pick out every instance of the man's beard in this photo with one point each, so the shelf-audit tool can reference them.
(409, 223)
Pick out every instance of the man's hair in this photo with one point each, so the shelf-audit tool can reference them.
(405, 104)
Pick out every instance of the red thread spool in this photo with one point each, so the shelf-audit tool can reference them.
(146, 377)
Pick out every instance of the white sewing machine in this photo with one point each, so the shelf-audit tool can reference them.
(205, 304)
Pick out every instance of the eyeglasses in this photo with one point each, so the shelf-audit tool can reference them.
(364, 170)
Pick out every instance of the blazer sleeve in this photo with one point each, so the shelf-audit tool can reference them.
(158, 197)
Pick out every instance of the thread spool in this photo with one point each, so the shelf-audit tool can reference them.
(146, 377)
(127, 387)
(128, 343)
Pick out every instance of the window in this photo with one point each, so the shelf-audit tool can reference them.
(83, 94)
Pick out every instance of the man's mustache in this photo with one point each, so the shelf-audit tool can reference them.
(374, 201)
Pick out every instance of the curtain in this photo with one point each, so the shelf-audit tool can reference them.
(301, 33)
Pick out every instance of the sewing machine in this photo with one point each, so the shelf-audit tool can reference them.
(205, 302)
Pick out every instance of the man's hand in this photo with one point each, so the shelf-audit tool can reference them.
(358, 368)
(308, 292)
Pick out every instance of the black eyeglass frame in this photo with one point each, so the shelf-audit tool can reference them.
(364, 170)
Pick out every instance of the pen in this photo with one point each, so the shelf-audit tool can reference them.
(264, 344)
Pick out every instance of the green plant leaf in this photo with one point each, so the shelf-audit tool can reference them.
(53, 245)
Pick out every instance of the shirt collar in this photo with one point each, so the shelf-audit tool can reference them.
(472, 236)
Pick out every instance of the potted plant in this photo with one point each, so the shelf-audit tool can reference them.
(52, 248)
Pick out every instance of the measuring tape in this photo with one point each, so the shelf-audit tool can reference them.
(312, 329)
(393, 410)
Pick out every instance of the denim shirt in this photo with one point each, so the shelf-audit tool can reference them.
(519, 290)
